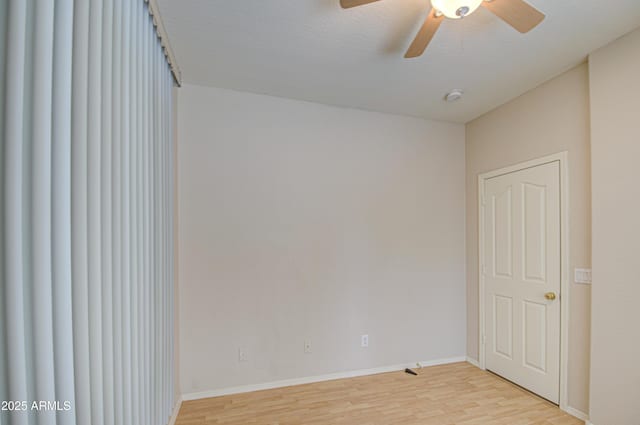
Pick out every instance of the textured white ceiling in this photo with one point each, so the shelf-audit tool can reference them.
(314, 50)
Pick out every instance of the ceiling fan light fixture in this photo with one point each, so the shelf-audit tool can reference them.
(456, 9)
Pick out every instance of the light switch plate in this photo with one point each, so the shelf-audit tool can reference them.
(583, 276)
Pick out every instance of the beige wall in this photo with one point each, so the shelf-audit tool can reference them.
(549, 119)
(615, 120)
(300, 221)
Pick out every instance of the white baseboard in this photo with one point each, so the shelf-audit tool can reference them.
(176, 410)
(312, 379)
(577, 413)
(473, 362)
(588, 422)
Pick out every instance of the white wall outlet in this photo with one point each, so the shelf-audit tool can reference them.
(307, 347)
(364, 341)
(582, 276)
(242, 355)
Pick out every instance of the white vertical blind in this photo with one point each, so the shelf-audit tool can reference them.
(86, 226)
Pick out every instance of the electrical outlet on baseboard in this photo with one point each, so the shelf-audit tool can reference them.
(242, 355)
(364, 341)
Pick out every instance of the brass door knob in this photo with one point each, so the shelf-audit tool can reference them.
(550, 296)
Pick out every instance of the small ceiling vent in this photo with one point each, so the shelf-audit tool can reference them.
(453, 95)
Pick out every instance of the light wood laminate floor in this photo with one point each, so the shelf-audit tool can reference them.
(454, 394)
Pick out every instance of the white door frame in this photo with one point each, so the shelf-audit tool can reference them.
(565, 274)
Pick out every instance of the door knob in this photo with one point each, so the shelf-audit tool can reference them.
(550, 296)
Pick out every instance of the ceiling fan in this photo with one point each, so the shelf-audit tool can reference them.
(517, 13)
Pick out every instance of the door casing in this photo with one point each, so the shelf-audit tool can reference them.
(563, 158)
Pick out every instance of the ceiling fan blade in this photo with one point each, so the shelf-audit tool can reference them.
(346, 4)
(426, 33)
(517, 13)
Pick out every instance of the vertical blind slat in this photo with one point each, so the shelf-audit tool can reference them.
(27, 205)
(152, 381)
(147, 340)
(164, 243)
(167, 253)
(156, 262)
(168, 233)
(42, 308)
(79, 209)
(149, 209)
(162, 260)
(94, 219)
(126, 215)
(4, 379)
(169, 230)
(139, 224)
(134, 214)
(106, 211)
(117, 213)
(61, 209)
(12, 205)
(171, 257)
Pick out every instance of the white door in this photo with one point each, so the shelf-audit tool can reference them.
(522, 278)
